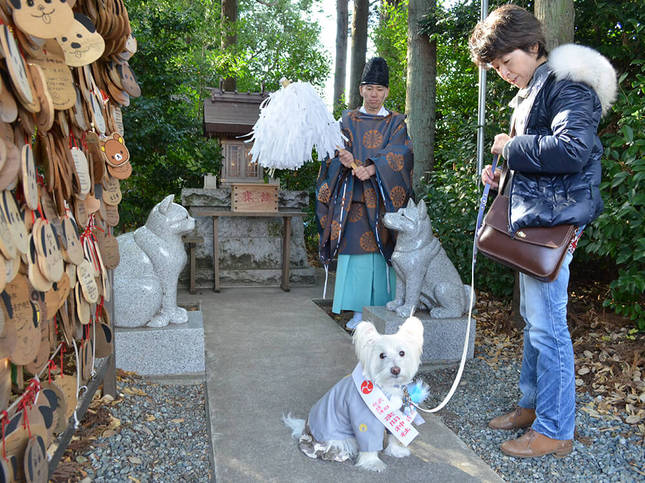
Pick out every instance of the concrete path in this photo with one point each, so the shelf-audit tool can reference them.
(270, 352)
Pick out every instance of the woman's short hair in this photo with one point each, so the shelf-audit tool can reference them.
(507, 28)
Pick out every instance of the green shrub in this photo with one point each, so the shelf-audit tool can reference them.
(453, 197)
(619, 232)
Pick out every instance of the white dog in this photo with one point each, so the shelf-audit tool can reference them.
(340, 425)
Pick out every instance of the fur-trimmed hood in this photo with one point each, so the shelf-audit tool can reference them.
(583, 64)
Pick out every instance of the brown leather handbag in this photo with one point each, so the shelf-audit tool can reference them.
(535, 251)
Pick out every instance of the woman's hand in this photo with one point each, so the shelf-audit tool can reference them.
(499, 143)
(488, 178)
(365, 172)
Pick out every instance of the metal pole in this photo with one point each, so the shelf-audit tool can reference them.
(481, 107)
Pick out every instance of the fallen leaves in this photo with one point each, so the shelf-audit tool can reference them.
(609, 353)
(126, 376)
(133, 391)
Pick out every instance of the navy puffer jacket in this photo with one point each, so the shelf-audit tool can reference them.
(556, 162)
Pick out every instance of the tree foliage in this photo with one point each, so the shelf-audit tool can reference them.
(179, 57)
(163, 127)
(615, 243)
(390, 40)
(619, 233)
(275, 39)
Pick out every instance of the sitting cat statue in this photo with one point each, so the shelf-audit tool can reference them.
(152, 256)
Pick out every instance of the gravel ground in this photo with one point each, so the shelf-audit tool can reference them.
(603, 450)
(163, 435)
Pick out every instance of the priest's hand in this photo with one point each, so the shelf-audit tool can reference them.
(365, 172)
(345, 157)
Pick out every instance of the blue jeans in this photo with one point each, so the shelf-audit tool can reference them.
(547, 378)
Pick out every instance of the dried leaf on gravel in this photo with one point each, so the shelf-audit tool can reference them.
(609, 352)
(67, 470)
(133, 391)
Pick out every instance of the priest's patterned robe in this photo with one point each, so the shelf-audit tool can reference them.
(349, 211)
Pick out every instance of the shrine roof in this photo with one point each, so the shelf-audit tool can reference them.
(231, 114)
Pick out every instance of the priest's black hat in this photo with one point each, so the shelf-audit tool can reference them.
(376, 72)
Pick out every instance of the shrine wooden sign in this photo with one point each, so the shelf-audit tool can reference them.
(254, 197)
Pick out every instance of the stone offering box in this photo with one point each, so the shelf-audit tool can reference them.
(250, 247)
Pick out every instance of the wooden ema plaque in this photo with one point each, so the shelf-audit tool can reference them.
(254, 197)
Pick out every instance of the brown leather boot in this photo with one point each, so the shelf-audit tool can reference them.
(533, 444)
(520, 418)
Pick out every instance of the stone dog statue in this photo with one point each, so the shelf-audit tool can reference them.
(425, 275)
(152, 256)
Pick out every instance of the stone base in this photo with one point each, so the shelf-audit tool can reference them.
(172, 350)
(443, 339)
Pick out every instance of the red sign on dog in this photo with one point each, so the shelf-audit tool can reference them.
(367, 387)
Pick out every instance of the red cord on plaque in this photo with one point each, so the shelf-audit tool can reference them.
(51, 365)
(4, 415)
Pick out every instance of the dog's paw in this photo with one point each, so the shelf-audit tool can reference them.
(445, 313)
(370, 461)
(404, 310)
(396, 450)
(159, 320)
(178, 315)
(393, 304)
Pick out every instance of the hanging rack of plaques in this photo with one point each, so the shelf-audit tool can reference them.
(64, 77)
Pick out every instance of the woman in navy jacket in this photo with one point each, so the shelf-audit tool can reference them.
(553, 154)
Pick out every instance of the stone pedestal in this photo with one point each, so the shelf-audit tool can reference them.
(171, 350)
(250, 248)
(443, 339)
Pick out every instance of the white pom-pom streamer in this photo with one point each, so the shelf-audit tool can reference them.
(293, 121)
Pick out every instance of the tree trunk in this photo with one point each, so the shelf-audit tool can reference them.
(557, 17)
(229, 37)
(421, 90)
(359, 49)
(341, 51)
